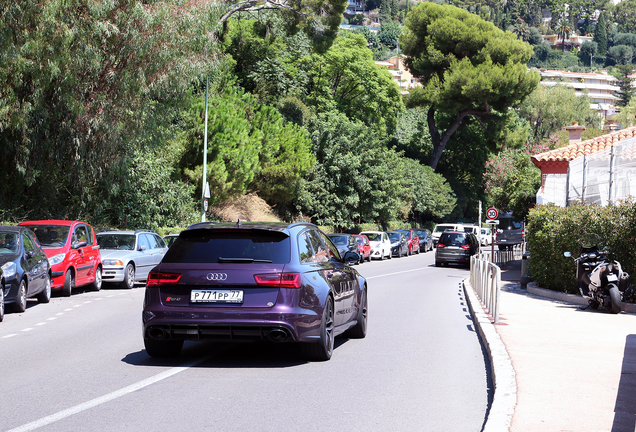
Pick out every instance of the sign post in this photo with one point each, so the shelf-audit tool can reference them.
(492, 214)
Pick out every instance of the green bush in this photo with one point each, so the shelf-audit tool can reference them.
(552, 230)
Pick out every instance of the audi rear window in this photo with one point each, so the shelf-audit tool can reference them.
(230, 246)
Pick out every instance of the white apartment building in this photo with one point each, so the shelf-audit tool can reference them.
(600, 87)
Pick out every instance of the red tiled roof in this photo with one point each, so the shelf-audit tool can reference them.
(572, 151)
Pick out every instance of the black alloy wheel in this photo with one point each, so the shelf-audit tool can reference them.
(322, 349)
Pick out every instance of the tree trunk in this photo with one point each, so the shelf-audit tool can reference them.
(440, 141)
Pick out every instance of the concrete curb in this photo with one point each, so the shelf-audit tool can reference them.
(503, 375)
(569, 298)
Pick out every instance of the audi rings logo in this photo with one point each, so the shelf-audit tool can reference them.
(216, 276)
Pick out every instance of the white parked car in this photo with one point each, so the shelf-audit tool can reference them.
(486, 237)
(380, 244)
(440, 228)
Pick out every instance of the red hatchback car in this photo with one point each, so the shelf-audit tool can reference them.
(73, 253)
(365, 247)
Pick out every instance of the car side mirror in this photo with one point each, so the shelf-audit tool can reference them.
(78, 245)
(351, 257)
(567, 254)
(142, 248)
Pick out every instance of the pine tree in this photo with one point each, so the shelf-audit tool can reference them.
(625, 85)
(600, 34)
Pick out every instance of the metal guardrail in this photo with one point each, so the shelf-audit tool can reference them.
(503, 257)
(485, 278)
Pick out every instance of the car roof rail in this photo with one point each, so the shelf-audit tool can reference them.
(143, 230)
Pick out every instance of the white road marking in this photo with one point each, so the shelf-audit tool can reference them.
(396, 273)
(59, 313)
(9, 335)
(40, 323)
(51, 319)
(77, 305)
(103, 399)
(68, 310)
(88, 302)
(27, 329)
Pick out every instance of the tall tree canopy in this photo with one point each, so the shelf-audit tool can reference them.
(548, 109)
(625, 16)
(467, 67)
(345, 78)
(82, 83)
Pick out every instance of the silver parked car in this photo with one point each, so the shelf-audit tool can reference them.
(128, 256)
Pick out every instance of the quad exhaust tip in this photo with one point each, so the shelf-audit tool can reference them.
(157, 333)
(278, 335)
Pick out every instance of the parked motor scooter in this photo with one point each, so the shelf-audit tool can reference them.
(601, 281)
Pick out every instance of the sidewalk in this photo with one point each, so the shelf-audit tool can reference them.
(574, 369)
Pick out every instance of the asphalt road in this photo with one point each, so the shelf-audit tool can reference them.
(78, 364)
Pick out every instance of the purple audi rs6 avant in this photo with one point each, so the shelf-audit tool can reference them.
(259, 281)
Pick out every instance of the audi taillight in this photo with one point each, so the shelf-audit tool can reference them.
(440, 246)
(280, 280)
(466, 247)
(160, 278)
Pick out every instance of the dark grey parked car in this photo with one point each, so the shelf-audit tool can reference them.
(456, 247)
(399, 244)
(1, 296)
(25, 268)
(426, 240)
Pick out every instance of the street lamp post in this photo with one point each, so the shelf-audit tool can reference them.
(204, 188)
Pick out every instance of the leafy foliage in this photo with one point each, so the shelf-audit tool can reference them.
(250, 147)
(624, 15)
(266, 56)
(512, 180)
(625, 84)
(357, 179)
(600, 34)
(346, 79)
(549, 108)
(82, 83)
(139, 197)
(389, 33)
(467, 66)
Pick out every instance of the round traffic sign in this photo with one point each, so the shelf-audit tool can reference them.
(492, 213)
(205, 205)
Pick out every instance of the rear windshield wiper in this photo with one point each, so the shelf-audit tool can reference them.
(242, 260)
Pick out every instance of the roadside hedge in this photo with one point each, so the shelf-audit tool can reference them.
(552, 230)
